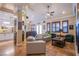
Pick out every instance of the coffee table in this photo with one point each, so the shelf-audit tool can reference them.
(58, 41)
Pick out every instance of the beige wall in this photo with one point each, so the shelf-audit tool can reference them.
(71, 21)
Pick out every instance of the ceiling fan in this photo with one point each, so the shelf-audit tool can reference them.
(50, 13)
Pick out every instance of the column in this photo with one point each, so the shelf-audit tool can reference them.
(19, 29)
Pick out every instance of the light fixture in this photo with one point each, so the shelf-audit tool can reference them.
(27, 17)
(6, 22)
(49, 13)
(63, 12)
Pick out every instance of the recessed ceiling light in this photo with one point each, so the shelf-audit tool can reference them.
(63, 12)
(48, 14)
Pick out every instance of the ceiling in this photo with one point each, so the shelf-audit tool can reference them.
(38, 11)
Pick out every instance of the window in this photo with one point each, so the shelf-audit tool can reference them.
(55, 26)
(33, 27)
(65, 26)
(48, 26)
(39, 29)
(43, 27)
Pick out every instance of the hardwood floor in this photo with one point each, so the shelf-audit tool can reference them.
(21, 50)
(68, 50)
(7, 48)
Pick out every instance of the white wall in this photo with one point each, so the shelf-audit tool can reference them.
(7, 17)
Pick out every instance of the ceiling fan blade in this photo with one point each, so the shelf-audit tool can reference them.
(51, 13)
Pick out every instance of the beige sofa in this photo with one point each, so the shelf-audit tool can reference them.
(36, 47)
(44, 37)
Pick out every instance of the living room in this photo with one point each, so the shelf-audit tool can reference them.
(54, 32)
(40, 29)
